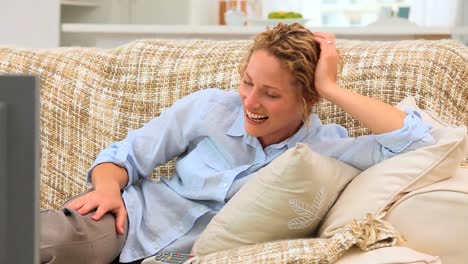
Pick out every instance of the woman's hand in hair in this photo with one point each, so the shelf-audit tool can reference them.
(376, 115)
(327, 67)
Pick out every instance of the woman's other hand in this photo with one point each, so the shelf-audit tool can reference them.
(327, 67)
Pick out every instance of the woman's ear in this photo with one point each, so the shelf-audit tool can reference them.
(313, 101)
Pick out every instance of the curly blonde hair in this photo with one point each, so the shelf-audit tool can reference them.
(295, 47)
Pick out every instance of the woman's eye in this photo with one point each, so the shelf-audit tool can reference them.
(272, 95)
(247, 83)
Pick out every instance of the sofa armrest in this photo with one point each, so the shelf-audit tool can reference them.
(433, 219)
(393, 255)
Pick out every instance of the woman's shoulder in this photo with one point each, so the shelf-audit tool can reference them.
(325, 132)
(334, 130)
(213, 102)
(218, 96)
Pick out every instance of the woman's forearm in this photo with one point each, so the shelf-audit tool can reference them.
(376, 115)
(109, 175)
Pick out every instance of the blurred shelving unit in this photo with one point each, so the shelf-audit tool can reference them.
(78, 11)
(78, 3)
(108, 23)
(130, 12)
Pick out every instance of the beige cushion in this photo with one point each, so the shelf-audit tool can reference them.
(434, 219)
(394, 255)
(382, 184)
(286, 199)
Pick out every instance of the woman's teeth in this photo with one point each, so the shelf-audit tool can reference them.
(255, 117)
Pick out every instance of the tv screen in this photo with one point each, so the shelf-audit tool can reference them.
(19, 169)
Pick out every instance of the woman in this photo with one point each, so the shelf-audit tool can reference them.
(220, 139)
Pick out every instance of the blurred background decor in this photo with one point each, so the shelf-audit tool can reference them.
(53, 23)
(231, 10)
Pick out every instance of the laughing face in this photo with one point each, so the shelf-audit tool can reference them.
(271, 106)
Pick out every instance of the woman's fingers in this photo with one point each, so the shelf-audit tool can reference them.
(77, 203)
(87, 207)
(119, 212)
(326, 70)
(120, 218)
(100, 211)
(103, 203)
(325, 40)
(324, 35)
(322, 42)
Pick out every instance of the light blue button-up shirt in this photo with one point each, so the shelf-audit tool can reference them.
(205, 130)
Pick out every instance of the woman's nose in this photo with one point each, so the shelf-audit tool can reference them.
(251, 100)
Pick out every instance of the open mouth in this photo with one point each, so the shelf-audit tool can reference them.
(256, 117)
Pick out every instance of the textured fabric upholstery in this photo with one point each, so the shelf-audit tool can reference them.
(91, 97)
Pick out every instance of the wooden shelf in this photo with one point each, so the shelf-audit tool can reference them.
(77, 3)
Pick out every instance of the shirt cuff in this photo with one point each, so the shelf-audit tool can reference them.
(116, 154)
(414, 129)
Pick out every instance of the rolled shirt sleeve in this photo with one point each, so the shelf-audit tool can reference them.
(366, 151)
(413, 135)
(159, 140)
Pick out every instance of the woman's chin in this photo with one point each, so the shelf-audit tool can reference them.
(254, 131)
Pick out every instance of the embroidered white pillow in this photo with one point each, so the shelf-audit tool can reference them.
(286, 199)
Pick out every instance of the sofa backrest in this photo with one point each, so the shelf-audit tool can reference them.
(92, 97)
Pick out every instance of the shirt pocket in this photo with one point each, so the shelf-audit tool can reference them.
(204, 162)
(211, 156)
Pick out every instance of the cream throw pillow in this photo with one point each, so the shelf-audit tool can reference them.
(286, 199)
(379, 186)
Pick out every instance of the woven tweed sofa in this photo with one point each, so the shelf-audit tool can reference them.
(92, 97)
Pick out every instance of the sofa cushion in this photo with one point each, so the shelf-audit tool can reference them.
(376, 188)
(433, 219)
(394, 255)
(285, 199)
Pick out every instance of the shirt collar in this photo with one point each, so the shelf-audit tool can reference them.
(237, 129)
(301, 134)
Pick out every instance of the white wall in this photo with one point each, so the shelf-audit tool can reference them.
(29, 23)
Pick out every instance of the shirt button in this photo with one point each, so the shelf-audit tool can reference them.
(181, 228)
(225, 185)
